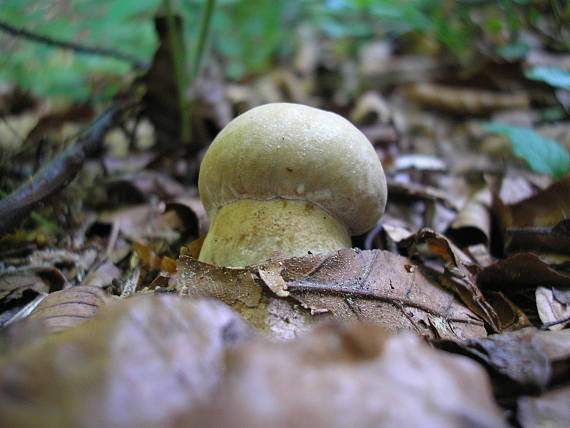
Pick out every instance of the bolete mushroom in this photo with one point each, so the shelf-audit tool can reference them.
(289, 178)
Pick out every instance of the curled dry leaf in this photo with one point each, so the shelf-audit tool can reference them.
(544, 210)
(68, 308)
(142, 222)
(136, 364)
(102, 275)
(553, 307)
(453, 269)
(370, 108)
(192, 213)
(521, 272)
(283, 297)
(350, 376)
(548, 410)
(473, 222)
(22, 289)
(418, 191)
(139, 186)
(526, 361)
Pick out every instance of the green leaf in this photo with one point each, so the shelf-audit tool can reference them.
(513, 51)
(553, 76)
(543, 155)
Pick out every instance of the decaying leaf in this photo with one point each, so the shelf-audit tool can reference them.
(526, 361)
(68, 308)
(192, 213)
(353, 376)
(545, 209)
(553, 307)
(473, 222)
(136, 364)
(142, 222)
(548, 410)
(137, 187)
(375, 286)
(102, 275)
(511, 317)
(453, 270)
(22, 289)
(464, 100)
(521, 272)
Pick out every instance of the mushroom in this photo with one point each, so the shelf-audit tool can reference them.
(288, 178)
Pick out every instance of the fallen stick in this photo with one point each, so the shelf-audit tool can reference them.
(59, 172)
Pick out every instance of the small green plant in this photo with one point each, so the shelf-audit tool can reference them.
(542, 155)
(555, 77)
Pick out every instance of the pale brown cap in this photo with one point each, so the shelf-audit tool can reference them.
(293, 151)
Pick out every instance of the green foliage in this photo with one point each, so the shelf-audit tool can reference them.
(56, 72)
(513, 51)
(543, 155)
(248, 35)
(553, 76)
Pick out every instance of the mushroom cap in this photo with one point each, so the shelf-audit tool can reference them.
(292, 151)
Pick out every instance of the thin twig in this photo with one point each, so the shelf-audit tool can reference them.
(54, 176)
(76, 47)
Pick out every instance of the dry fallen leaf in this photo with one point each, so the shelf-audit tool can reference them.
(453, 269)
(349, 376)
(465, 100)
(284, 297)
(521, 272)
(68, 308)
(136, 364)
(527, 361)
(22, 289)
(547, 410)
(537, 223)
(473, 223)
(553, 307)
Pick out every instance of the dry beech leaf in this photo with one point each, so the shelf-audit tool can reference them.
(22, 289)
(511, 317)
(418, 191)
(42, 280)
(358, 375)
(453, 270)
(68, 308)
(143, 222)
(538, 222)
(553, 307)
(547, 410)
(102, 275)
(526, 361)
(464, 100)
(473, 222)
(521, 272)
(192, 213)
(371, 107)
(138, 186)
(134, 365)
(283, 297)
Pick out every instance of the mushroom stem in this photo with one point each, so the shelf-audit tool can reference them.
(249, 231)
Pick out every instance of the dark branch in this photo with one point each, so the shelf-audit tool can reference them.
(54, 176)
(20, 32)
